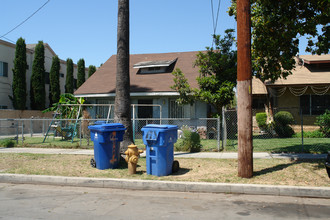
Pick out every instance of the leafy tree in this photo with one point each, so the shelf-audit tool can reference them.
(218, 70)
(69, 76)
(91, 70)
(37, 91)
(81, 72)
(276, 29)
(19, 76)
(54, 76)
(66, 106)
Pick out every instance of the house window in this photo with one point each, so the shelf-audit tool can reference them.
(314, 104)
(145, 111)
(176, 110)
(153, 70)
(47, 81)
(258, 103)
(3, 107)
(3, 69)
(62, 75)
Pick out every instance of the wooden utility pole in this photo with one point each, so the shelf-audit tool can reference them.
(122, 99)
(244, 90)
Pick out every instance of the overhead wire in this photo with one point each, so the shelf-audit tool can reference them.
(215, 20)
(25, 19)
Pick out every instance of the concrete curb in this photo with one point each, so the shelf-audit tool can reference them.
(254, 189)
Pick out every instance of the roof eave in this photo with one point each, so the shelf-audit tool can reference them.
(132, 94)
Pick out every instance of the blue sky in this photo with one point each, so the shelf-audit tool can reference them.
(88, 29)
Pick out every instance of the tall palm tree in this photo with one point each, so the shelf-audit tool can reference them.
(122, 101)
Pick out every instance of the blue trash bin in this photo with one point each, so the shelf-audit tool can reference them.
(107, 138)
(159, 141)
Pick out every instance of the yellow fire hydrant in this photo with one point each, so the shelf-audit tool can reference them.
(132, 157)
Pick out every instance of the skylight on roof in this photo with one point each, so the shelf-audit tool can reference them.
(156, 63)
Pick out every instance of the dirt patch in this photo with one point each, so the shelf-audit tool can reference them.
(266, 171)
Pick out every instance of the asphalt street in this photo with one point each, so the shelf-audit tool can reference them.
(25, 201)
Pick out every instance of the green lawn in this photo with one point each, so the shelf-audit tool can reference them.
(275, 145)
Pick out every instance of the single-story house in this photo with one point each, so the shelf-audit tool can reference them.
(306, 91)
(150, 79)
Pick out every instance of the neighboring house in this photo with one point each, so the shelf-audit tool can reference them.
(150, 79)
(307, 90)
(7, 56)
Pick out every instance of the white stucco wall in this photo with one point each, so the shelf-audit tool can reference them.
(6, 55)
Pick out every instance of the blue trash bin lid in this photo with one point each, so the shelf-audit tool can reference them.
(151, 131)
(160, 127)
(107, 127)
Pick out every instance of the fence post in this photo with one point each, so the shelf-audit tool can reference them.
(22, 132)
(16, 132)
(224, 129)
(43, 126)
(80, 128)
(218, 131)
(133, 123)
(31, 126)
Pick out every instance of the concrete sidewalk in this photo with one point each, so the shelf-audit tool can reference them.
(215, 155)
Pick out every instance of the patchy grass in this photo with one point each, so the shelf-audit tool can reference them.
(266, 171)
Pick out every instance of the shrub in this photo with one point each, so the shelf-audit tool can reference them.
(190, 143)
(324, 122)
(7, 143)
(311, 134)
(283, 120)
(262, 120)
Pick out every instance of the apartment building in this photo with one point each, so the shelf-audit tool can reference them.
(7, 56)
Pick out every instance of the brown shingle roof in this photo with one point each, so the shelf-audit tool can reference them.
(302, 75)
(316, 58)
(258, 88)
(305, 75)
(103, 81)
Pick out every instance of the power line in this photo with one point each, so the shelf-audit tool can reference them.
(216, 24)
(25, 20)
(9, 40)
(215, 21)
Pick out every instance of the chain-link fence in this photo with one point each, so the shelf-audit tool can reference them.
(305, 136)
(215, 134)
(41, 131)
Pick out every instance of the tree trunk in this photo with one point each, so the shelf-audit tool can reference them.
(122, 101)
(269, 107)
(244, 90)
